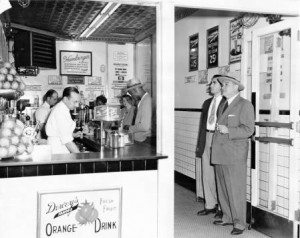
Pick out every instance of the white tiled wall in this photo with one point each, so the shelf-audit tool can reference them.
(186, 134)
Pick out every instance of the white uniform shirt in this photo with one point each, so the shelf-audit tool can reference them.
(212, 126)
(42, 113)
(59, 128)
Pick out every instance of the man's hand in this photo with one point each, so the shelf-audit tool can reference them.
(126, 127)
(222, 129)
(78, 134)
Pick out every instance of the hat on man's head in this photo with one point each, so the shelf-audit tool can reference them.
(133, 83)
(233, 77)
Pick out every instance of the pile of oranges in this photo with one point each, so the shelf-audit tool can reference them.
(9, 78)
(12, 140)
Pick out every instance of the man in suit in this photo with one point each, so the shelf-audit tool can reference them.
(203, 150)
(142, 124)
(229, 153)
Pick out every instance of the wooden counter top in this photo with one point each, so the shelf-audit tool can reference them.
(139, 156)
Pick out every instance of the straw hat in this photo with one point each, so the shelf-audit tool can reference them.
(233, 77)
(133, 83)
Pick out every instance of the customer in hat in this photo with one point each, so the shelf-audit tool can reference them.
(235, 124)
(142, 123)
(203, 149)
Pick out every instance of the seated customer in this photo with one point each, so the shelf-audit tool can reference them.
(128, 111)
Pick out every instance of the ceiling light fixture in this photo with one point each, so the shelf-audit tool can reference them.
(24, 3)
(108, 10)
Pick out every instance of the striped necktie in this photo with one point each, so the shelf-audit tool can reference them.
(212, 115)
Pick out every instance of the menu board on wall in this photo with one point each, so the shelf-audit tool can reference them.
(212, 47)
(120, 69)
(84, 213)
(75, 63)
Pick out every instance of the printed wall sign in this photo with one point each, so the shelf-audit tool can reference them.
(54, 80)
(190, 79)
(33, 88)
(193, 52)
(75, 79)
(75, 63)
(202, 76)
(212, 47)
(86, 213)
(236, 40)
(94, 80)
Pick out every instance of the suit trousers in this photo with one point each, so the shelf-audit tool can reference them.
(208, 175)
(231, 184)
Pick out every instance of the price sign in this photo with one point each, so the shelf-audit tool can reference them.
(193, 52)
(212, 47)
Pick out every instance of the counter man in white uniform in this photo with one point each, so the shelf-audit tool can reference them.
(60, 126)
(42, 113)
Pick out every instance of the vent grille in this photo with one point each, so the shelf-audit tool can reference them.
(43, 51)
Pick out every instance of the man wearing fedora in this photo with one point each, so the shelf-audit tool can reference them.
(142, 124)
(230, 145)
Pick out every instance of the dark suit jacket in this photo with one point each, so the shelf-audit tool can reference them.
(232, 148)
(202, 126)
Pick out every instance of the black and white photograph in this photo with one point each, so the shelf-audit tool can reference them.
(149, 119)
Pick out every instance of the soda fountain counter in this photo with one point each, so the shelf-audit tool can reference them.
(110, 193)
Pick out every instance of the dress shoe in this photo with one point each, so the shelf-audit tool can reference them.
(219, 214)
(206, 211)
(236, 231)
(222, 223)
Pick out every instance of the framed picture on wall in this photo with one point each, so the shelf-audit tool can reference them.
(236, 40)
(212, 47)
(75, 63)
(193, 52)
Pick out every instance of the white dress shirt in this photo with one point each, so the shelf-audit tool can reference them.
(59, 128)
(212, 126)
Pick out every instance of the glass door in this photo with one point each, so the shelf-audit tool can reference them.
(273, 81)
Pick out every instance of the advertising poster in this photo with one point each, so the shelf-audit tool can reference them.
(236, 35)
(54, 80)
(212, 47)
(190, 79)
(193, 52)
(86, 213)
(202, 76)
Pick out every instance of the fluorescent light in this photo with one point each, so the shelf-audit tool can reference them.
(104, 10)
(86, 30)
(92, 31)
(103, 20)
(98, 21)
(95, 20)
(115, 8)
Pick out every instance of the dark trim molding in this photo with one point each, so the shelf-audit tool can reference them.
(281, 112)
(269, 223)
(185, 181)
(189, 109)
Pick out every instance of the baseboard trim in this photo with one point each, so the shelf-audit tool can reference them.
(269, 223)
(185, 181)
